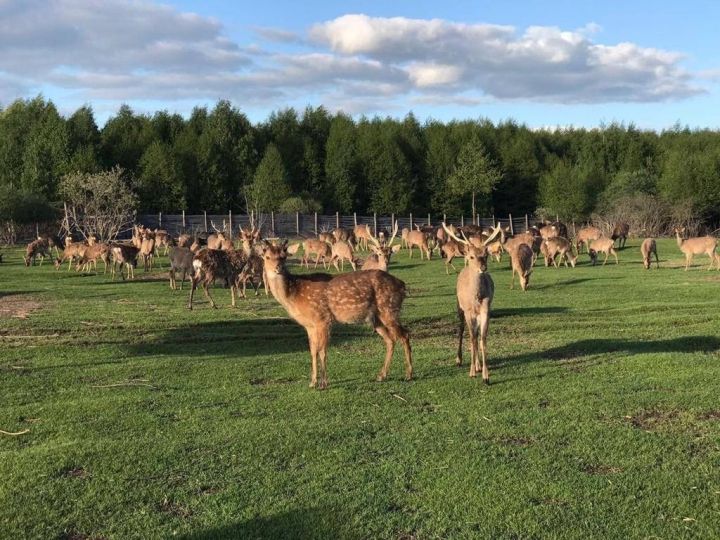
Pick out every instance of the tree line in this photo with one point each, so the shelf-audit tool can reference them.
(216, 159)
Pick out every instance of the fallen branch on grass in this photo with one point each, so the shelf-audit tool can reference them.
(134, 382)
(23, 432)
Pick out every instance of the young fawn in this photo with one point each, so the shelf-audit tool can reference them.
(316, 301)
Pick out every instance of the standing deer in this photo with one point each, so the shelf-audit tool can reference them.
(521, 260)
(316, 301)
(647, 248)
(217, 240)
(379, 259)
(253, 268)
(620, 232)
(696, 246)
(147, 249)
(36, 248)
(560, 248)
(326, 236)
(212, 264)
(342, 250)
(585, 235)
(181, 261)
(163, 240)
(602, 245)
(319, 248)
(72, 251)
(475, 291)
(418, 239)
(94, 251)
(124, 255)
(451, 249)
(184, 240)
(362, 235)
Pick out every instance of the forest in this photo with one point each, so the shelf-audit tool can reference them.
(316, 161)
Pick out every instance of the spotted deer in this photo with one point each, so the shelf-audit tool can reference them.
(379, 259)
(475, 290)
(213, 264)
(696, 246)
(362, 234)
(252, 271)
(316, 301)
(342, 250)
(647, 249)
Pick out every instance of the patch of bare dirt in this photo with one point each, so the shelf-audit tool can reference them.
(75, 472)
(17, 307)
(269, 382)
(517, 441)
(175, 509)
(650, 420)
(710, 415)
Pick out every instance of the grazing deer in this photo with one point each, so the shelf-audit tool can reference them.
(418, 239)
(72, 251)
(342, 250)
(326, 236)
(316, 301)
(560, 248)
(521, 260)
(181, 260)
(36, 248)
(475, 291)
(94, 251)
(696, 246)
(648, 248)
(212, 264)
(584, 236)
(602, 245)
(379, 259)
(620, 232)
(124, 255)
(362, 234)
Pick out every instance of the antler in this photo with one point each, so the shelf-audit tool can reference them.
(394, 234)
(452, 235)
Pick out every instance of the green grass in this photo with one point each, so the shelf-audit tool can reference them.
(602, 420)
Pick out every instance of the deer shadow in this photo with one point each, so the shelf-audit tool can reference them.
(592, 347)
(290, 525)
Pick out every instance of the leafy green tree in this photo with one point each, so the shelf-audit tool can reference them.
(564, 192)
(270, 187)
(474, 173)
(341, 165)
(160, 185)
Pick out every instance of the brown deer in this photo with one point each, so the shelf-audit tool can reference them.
(560, 248)
(344, 235)
(379, 259)
(362, 234)
(648, 248)
(475, 291)
(72, 251)
(181, 261)
(326, 236)
(548, 231)
(319, 248)
(521, 260)
(147, 249)
(124, 255)
(36, 248)
(602, 245)
(620, 233)
(316, 301)
(451, 249)
(585, 235)
(163, 240)
(342, 250)
(418, 239)
(216, 240)
(212, 264)
(403, 236)
(252, 271)
(94, 251)
(184, 240)
(696, 246)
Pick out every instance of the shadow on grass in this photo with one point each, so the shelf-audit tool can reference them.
(539, 310)
(239, 338)
(591, 347)
(3, 294)
(295, 524)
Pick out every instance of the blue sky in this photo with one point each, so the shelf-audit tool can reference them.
(543, 63)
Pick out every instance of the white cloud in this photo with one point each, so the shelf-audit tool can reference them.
(125, 51)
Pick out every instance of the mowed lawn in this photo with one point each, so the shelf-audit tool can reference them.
(147, 420)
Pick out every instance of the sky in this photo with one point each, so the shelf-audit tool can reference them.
(549, 63)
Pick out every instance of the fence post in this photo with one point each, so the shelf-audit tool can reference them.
(375, 222)
(512, 230)
(444, 218)
(527, 223)
(411, 223)
(392, 222)
(272, 222)
(337, 220)
(355, 218)
(429, 220)
(462, 220)
(183, 216)
(160, 220)
(557, 217)
(297, 223)
(204, 213)
(230, 223)
(316, 230)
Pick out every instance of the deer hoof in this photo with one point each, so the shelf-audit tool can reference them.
(458, 362)
(381, 377)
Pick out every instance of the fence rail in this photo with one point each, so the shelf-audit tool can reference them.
(310, 224)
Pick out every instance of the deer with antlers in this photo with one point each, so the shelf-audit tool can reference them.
(647, 249)
(475, 291)
(316, 301)
(213, 264)
(252, 272)
(696, 246)
(379, 259)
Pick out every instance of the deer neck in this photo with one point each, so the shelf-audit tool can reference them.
(282, 287)
(679, 240)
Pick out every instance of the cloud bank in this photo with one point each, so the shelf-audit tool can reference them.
(125, 51)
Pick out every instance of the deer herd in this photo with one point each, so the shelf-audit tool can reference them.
(369, 295)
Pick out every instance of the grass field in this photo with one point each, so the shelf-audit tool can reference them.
(149, 421)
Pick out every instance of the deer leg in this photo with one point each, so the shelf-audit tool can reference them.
(206, 290)
(688, 260)
(473, 329)
(460, 331)
(323, 338)
(607, 254)
(317, 260)
(616, 257)
(312, 342)
(389, 349)
(484, 323)
(193, 285)
(711, 255)
(404, 337)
